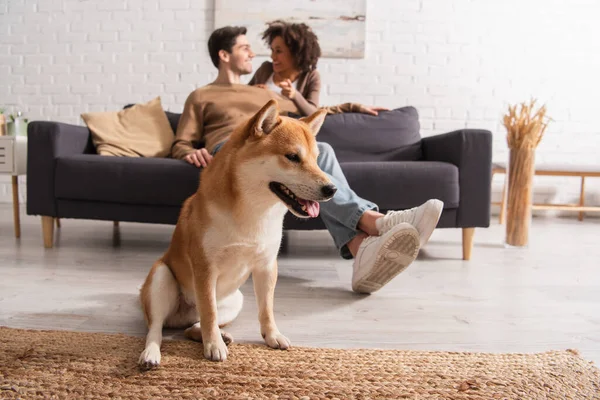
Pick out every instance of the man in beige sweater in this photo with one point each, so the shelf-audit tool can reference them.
(382, 245)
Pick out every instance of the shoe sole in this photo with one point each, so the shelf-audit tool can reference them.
(394, 256)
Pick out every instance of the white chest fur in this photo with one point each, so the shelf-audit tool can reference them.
(237, 247)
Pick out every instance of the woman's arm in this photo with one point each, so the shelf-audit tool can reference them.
(262, 74)
(308, 101)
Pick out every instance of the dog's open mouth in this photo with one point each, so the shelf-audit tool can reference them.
(301, 207)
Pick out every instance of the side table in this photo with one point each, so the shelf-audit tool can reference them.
(13, 161)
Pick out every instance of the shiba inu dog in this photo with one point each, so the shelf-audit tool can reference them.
(231, 228)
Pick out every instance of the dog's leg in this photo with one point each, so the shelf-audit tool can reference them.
(194, 332)
(227, 310)
(215, 348)
(264, 287)
(160, 296)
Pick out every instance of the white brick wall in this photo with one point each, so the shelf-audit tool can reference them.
(459, 61)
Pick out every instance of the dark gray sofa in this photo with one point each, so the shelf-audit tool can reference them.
(384, 158)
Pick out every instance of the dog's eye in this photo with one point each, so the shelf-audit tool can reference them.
(293, 157)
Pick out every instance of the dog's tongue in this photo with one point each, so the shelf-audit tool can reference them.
(312, 207)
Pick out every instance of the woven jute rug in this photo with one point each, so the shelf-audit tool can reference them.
(59, 364)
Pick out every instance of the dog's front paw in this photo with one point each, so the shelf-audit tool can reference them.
(150, 357)
(195, 333)
(227, 338)
(276, 340)
(215, 350)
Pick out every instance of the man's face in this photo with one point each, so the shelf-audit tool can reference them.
(240, 59)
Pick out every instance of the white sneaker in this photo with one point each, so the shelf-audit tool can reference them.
(381, 258)
(424, 218)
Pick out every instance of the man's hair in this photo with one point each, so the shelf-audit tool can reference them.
(223, 39)
(299, 38)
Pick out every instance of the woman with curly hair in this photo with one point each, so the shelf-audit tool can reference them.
(295, 51)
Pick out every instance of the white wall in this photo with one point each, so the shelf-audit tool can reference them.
(460, 62)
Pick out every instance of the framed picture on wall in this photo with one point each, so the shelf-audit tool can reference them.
(339, 24)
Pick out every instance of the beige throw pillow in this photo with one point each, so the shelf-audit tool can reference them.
(142, 130)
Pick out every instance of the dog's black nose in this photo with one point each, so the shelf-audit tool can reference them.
(328, 190)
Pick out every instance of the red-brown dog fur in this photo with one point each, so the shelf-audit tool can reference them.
(231, 228)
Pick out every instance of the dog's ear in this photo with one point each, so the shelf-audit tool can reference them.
(315, 120)
(266, 119)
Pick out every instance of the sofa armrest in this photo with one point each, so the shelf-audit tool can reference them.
(471, 151)
(47, 141)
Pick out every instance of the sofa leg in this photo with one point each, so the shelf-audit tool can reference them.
(16, 212)
(48, 231)
(467, 239)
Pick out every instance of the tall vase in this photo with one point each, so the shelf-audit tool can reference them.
(521, 168)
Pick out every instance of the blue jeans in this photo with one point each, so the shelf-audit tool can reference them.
(340, 214)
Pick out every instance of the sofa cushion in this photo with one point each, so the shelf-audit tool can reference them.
(403, 184)
(171, 116)
(144, 181)
(390, 136)
(156, 181)
(142, 130)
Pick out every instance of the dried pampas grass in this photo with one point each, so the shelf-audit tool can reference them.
(525, 128)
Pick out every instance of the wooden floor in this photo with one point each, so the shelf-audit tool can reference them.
(504, 300)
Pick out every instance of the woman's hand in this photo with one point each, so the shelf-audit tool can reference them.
(287, 89)
(371, 110)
